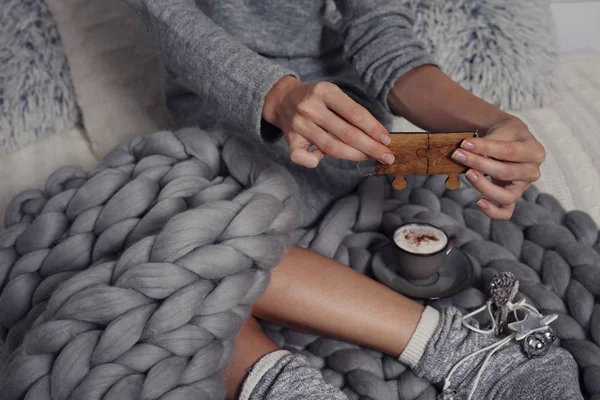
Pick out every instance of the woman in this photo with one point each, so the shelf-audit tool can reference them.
(270, 69)
(316, 82)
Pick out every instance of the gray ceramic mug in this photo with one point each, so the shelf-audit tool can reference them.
(420, 265)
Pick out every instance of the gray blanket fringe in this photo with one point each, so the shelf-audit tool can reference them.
(202, 219)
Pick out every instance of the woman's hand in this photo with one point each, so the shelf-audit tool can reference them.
(509, 153)
(310, 114)
(511, 156)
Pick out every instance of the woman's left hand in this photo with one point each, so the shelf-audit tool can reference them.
(511, 156)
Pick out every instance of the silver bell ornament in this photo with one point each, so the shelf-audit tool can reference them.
(538, 343)
(550, 335)
(449, 394)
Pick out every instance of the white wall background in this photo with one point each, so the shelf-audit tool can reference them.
(578, 25)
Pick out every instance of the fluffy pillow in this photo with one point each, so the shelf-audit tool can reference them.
(504, 51)
(36, 93)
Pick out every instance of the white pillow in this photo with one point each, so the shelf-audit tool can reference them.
(114, 71)
(30, 167)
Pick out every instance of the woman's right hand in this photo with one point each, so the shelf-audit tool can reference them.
(309, 114)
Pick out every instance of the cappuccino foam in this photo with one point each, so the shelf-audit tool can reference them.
(420, 239)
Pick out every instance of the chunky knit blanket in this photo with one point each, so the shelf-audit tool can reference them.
(554, 254)
(131, 281)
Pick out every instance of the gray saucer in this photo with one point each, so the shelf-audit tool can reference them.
(456, 273)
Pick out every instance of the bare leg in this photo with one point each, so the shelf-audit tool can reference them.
(316, 294)
(251, 344)
(313, 293)
(275, 375)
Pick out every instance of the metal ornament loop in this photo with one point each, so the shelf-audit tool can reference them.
(360, 173)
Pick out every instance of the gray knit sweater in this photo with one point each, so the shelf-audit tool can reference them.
(221, 57)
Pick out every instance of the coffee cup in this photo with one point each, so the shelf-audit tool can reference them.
(419, 250)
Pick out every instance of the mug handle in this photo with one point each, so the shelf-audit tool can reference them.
(452, 238)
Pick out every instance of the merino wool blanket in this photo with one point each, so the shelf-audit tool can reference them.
(131, 281)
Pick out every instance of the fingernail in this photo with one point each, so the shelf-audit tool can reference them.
(472, 176)
(459, 156)
(467, 145)
(481, 204)
(385, 139)
(387, 158)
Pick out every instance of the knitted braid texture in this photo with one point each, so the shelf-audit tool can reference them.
(130, 282)
(196, 264)
(553, 253)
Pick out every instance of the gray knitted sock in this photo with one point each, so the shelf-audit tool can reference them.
(282, 375)
(508, 375)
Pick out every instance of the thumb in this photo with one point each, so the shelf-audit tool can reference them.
(300, 154)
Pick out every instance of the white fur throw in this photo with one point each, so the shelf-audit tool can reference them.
(36, 93)
(504, 51)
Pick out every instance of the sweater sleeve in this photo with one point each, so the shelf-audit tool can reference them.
(209, 61)
(379, 41)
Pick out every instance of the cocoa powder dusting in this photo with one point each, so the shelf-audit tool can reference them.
(418, 239)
